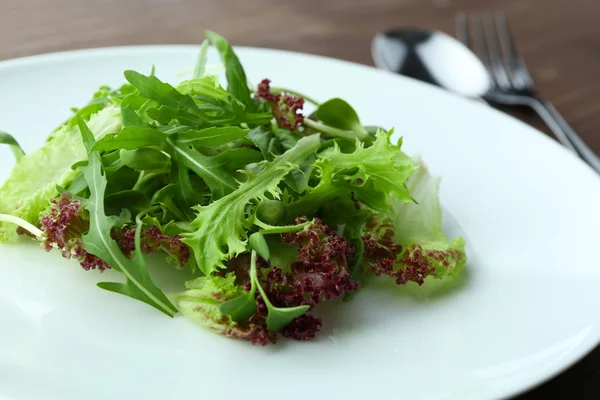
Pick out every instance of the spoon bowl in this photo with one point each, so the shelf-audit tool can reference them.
(433, 57)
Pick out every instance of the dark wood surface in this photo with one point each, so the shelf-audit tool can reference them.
(560, 40)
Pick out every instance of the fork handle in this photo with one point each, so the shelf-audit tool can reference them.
(562, 130)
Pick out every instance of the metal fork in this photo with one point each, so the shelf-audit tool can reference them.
(489, 37)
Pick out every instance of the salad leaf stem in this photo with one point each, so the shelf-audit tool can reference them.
(280, 90)
(142, 214)
(277, 317)
(23, 224)
(348, 135)
(270, 229)
(144, 177)
(16, 149)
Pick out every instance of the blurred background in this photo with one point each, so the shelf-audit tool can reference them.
(559, 39)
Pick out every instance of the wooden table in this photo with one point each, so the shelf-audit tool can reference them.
(560, 40)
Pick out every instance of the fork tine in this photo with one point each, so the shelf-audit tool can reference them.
(499, 69)
(477, 41)
(462, 30)
(518, 70)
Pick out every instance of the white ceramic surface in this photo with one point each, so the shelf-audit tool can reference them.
(528, 208)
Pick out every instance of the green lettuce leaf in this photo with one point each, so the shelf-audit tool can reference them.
(418, 226)
(221, 226)
(201, 303)
(33, 181)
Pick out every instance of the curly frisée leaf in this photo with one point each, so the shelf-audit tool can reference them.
(221, 226)
(383, 163)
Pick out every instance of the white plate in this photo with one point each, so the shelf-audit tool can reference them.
(529, 210)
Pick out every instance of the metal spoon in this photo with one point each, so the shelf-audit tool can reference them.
(442, 60)
(433, 57)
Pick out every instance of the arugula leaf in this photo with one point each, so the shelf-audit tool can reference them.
(201, 63)
(339, 114)
(261, 137)
(109, 158)
(166, 114)
(98, 239)
(129, 138)
(139, 104)
(130, 118)
(241, 308)
(16, 149)
(76, 186)
(234, 159)
(165, 197)
(281, 254)
(237, 83)
(185, 196)
(298, 179)
(145, 159)
(270, 143)
(121, 179)
(213, 136)
(114, 167)
(258, 243)
(220, 226)
(286, 139)
(280, 317)
(132, 200)
(163, 93)
(216, 177)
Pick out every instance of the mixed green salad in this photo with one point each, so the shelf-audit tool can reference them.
(274, 210)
